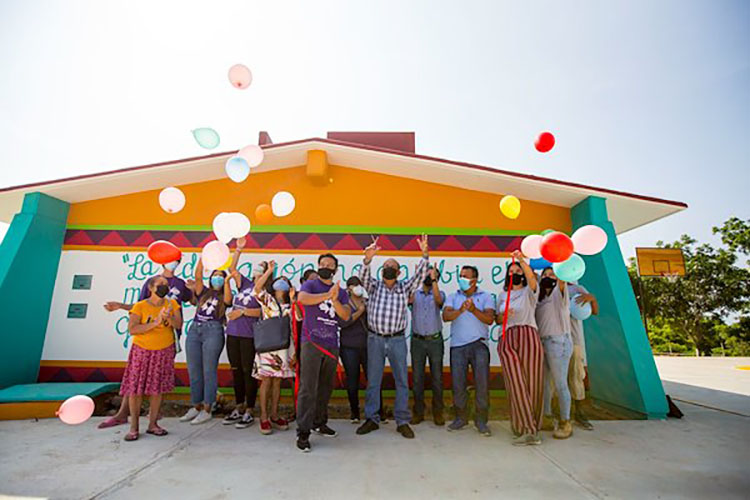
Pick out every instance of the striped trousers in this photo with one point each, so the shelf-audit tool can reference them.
(522, 359)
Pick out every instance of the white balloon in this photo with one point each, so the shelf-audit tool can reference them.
(253, 155)
(222, 227)
(239, 225)
(589, 240)
(530, 246)
(171, 200)
(282, 204)
(214, 255)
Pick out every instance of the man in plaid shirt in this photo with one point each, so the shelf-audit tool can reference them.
(388, 303)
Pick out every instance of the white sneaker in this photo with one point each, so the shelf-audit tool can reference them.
(202, 418)
(190, 415)
(232, 417)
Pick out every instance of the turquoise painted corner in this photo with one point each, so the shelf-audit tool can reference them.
(622, 371)
(29, 257)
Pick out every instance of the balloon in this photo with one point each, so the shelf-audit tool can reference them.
(530, 246)
(240, 76)
(225, 265)
(263, 214)
(161, 252)
(510, 206)
(544, 142)
(237, 168)
(171, 200)
(556, 247)
(253, 155)
(239, 224)
(228, 225)
(547, 231)
(214, 254)
(579, 311)
(76, 410)
(206, 137)
(540, 263)
(589, 240)
(570, 270)
(282, 204)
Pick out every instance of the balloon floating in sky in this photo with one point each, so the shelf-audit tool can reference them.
(263, 214)
(282, 204)
(545, 142)
(240, 76)
(253, 155)
(570, 270)
(206, 137)
(162, 252)
(589, 240)
(556, 247)
(579, 311)
(237, 168)
(510, 206)
(530, 246)
(171, 200)
(76, 410)
(214, 255)
(228, 225)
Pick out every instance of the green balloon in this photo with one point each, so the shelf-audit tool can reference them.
(206, 137)
(547, 231)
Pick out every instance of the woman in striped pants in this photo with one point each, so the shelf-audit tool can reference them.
(521, 353)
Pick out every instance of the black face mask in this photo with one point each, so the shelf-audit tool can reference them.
(427, 281)
(548, 282)
(161, 291)
(390, 273)
(519, 279)
(325, 273)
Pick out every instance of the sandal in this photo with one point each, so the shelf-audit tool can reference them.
(132, 436)
(157, 431)
(111, 422)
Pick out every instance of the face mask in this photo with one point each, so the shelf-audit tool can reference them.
(171, 266)
(427, 281)
(464, 283)
(548, 282)
(161, 291)
(281, 286)
(358, 290)
(518, 279)
(217, 282)
(390, 273)
(325, 273)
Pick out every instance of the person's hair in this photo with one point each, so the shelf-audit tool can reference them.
(474, 270)
(150, 283)
(507, 283)
(306, 275)
(269, 288)
(209, 292)
(353, 281)
(544, 292)
(330, 256)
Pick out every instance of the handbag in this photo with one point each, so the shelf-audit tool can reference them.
(272, 334)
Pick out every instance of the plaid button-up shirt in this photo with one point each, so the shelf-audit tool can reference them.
(386, 309)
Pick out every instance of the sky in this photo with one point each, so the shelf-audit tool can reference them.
(646, 97)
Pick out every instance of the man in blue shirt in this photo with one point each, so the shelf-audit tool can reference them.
(427, 342)
(471, 311)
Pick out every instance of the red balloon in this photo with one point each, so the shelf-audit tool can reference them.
(161, 252)
(545, 142)
(556, 247)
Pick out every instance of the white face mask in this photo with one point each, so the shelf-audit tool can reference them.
(358, 290)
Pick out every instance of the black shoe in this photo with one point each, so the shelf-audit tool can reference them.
(303, 443)
(405, 431)
(326, 431)
(417, 419)
(367, 427)
(438, 419)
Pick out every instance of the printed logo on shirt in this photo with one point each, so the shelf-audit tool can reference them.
(209, 306)
(174, 293)
(244, 297)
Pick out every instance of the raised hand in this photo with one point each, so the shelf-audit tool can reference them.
(241, 242)
(371, 250)
(516, 254)
(272, 266)
(433, 275)
(424, 245)
(190, 284)
(292, 294)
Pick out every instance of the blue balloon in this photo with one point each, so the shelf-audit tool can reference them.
(540, 263)
(579, 311)
(237, 168)
(570, 270)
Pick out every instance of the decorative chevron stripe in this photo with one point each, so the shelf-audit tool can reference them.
(126, 238)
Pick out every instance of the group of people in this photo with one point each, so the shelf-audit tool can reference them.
(542, 349)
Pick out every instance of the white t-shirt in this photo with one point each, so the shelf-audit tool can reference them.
(553, 313)
(577, 324)
(523, 304)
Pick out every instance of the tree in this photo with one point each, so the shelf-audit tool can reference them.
(735, 234)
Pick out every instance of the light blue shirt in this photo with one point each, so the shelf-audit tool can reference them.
(425, 313)
(467, 328)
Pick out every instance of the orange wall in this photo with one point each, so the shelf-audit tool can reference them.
(355, 197)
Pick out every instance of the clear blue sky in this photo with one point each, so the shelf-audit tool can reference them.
(643, 96)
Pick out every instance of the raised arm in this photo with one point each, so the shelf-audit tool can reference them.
(198, 278)
(235, 260)
(227, 293)
(365, 273)
(527, 271)
(424, 264)
(260, 281)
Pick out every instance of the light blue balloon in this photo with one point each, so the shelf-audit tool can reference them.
(540, 263)
(579, 311)
(570, 270)
(206, 137)
(237, 168)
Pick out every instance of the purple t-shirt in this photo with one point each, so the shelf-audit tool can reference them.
(243, 299)
(321, 324)
(209, 310)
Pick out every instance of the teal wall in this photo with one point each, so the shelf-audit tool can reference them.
(29, 256)
(622, 371)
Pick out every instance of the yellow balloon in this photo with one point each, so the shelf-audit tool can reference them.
(225, 265)
(510, 206)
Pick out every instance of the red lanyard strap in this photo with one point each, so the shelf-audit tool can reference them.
(507, 298)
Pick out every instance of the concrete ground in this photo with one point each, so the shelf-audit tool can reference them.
(704, 455)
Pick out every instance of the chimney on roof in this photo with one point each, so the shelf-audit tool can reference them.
(398, 141)
(264, 138)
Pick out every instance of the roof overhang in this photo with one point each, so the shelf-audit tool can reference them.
(626, 210)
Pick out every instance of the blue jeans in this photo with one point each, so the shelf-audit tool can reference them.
(476, 354)
(203, 346)
(378, 349)
(557, 352)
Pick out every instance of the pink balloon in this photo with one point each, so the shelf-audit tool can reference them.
(589, 240)
(76, 410)
(214, 255)
(240, 76)
(530, 246)
(253, 155)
